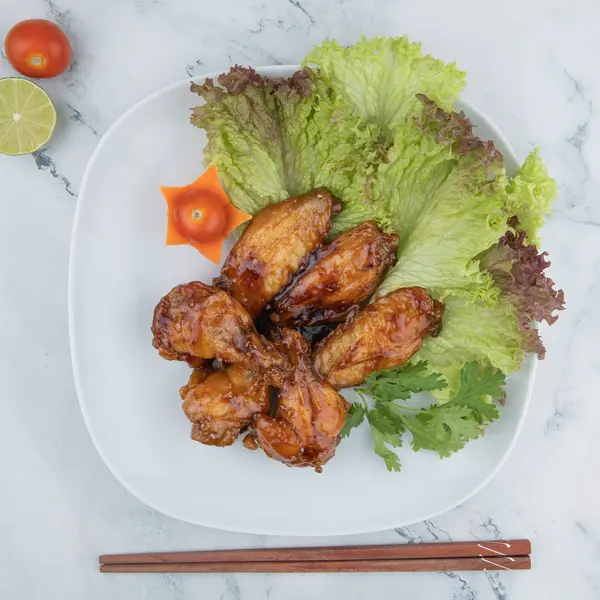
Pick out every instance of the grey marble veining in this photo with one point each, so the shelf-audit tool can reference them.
(531, 67)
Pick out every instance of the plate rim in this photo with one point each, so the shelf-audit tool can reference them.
(73, 261)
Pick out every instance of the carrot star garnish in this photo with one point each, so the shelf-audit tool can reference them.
(200, 214)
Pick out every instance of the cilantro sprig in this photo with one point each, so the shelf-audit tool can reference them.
(443, 428)
(400, 382)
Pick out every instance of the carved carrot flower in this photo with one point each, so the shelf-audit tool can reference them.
(200, 214)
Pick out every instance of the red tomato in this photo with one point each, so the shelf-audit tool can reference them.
(38, 48)
(200, 217)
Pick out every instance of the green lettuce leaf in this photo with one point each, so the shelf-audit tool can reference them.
(473, 331)
(272, 139)
(499, 333)
(530, 196)
(443, 192)
(328, 145)
(380, 78)
(243, 137)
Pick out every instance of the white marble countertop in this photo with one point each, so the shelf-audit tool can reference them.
(532, 67)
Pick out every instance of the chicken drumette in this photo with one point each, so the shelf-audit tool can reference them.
(221, 404)
(194, 322)
(273, 246)
(383, 335)
(338, 279)
(311, 414)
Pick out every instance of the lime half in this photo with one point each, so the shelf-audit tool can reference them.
(27, 116)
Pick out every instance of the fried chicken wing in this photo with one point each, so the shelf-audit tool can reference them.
(383, 335)
(195, 321)
(272, 247)
(221, 404)
(338, 279)
(311, 414)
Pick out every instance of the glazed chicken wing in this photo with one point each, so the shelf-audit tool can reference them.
(221, 404)
(195, 321)
(384, 335)
(311, 413)
(272, 247)
(339, 278)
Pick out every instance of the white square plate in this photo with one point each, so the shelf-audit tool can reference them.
(129, 396)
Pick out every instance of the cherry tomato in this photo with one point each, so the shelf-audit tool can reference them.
(200, 217)
(38, 48)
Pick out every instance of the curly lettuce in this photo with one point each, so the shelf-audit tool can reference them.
(498, 333)
(381, 77)
(443, 192)
(530, 195)
(473, 331)
(243, 137)
(518, 269)
(272, 139)
(374, 123)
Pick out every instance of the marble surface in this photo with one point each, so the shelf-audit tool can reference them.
(532, 67)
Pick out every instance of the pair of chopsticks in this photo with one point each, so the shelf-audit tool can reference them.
(508, 555)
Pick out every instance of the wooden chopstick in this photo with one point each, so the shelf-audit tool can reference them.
(330, 553)
(500, 563)
(448, 556)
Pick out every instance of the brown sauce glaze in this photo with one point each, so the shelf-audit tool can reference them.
(222, 404)
(305, 430)
(386, 334)
(195, 322)
(337, 279)
(273, 246)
